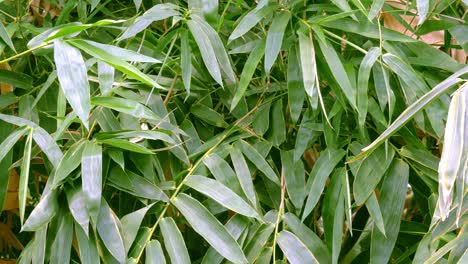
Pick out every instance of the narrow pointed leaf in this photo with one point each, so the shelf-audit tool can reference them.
(322, 169)
(109, 231)
(185, 60)
(6, 38)
(309, 67)
(106, 77)
(294, 249)
(294, 176)
(44, 211)
(250, 20)
(205, 224)
(413, 109)
(71, 72)
(363, 79)
(391, 203)
(247, 73)
(70, 161)
(252, 154)
(274, 39)
(221, 194)
(24, 176)
(10, 141)
(91, 176)
(77, 205)
(131, 224)
(119, 64)
(126, 106)
(243, 174)
(207, 51)
(154, 253)
(174, 242)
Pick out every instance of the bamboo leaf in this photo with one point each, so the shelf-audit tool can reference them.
(71, 72)
(130, 225)
(221, 194)
(205, 224)
(91, 176)
(413, 109)
(391, 202)
(250, 20)
(154, 253)
(108, 227)
(126, 106)
(243, 174)
(274, 39)
(363, 79)
(247, 73)
(174, 242)
(24, 176)
(185, 61)
(322, 169)
(6, 38)
(8, 143)
(116, 62)
(296, 252)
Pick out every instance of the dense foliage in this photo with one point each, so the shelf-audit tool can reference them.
(250, 132)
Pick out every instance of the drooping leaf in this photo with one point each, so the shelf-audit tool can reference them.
(91, 176)
(294, 249)
(71, 72)
(243, 174)
(154, 253)
(205, 224)
(221, 194)
(77, 205)
(126, 106)
(130, 225)
(248, 72)
(274, 39)
(322, 169)
(391, 202)
(294, 176)
(109, 231)
(24, 176)
(363, 78)
(174, 242)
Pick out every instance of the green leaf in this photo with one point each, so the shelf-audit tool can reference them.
(70, 29)
(236, 227)
(309, 67)
(208, 115)
(154, 253)
(323, 167)
(44, 211)
(119, 64)
(423, 7)
(91, 177)
(146, 134)
(126, 106)
(294, 176)
(309, 238)
(366, 174)
(24, 176)
(294, 249)
(205, 224)
(70, 161)
(223, 172)
(16, 79)
(218, 47)
(71, 72)
(391, 202)
(106, 77)
(413, 109)
(61, 246)
(206, 49)
(174, 242)
(295, 87)
(126, 145)
(333, 214)
(221, 194)
(274, 39)
(6, 38)
(363, 81)
(185, 60)
(157, 12)
(250, 20)
(373, 207)
(130, 225)
(42, 138)
(247, 73)
(375, 9)
(243, 174)
(338, 71)
(77, 205)
(8, 143)
(254, 247)
(108, 227)
(454, 155)
(123, 54)
(260, 163)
